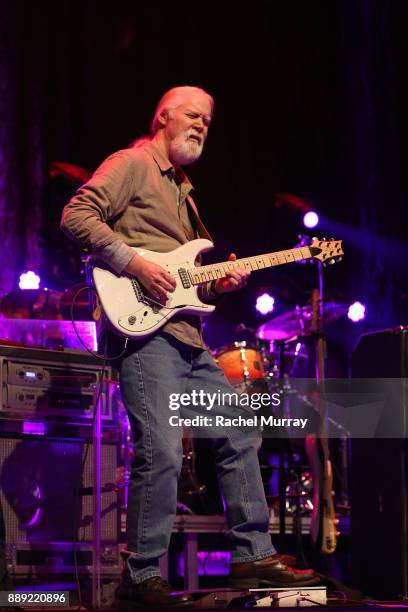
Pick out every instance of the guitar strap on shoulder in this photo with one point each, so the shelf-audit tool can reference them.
(196, 222)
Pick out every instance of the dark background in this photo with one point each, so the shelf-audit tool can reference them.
(310, 99)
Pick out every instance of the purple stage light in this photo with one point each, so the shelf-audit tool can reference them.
(356, 312)
(29, 280)
(264, 303)
(34, 428)
(209, 563)
(311, 219)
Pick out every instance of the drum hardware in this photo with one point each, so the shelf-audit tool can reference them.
(192, 496)
(298, 322)
(298, 490)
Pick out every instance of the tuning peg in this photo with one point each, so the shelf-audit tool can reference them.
(331, 262)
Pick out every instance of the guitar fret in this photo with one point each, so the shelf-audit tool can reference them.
(260, 262)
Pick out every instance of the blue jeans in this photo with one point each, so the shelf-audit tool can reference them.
(149, 374)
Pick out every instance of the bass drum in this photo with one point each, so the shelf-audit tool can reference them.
(242, 365)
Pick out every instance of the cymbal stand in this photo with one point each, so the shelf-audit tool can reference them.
(321, 358)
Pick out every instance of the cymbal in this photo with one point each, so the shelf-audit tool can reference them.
(298, 322)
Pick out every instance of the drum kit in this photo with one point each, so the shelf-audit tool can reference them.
(281, 350)
(278, 350)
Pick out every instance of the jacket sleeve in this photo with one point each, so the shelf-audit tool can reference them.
(106, 195)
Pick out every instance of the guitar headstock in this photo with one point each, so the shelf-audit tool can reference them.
(326, 250)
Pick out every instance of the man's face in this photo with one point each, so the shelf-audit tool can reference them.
(186, 129)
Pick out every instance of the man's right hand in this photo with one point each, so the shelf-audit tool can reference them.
(153, 277)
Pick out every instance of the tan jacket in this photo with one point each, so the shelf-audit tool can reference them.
(135, 199)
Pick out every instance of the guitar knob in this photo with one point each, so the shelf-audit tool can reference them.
(132, 320)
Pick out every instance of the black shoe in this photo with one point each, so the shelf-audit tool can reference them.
(151, 592)
(270, 572)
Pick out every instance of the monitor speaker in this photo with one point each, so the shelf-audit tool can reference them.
(378, 479)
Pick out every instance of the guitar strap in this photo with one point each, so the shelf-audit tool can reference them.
(198, 226)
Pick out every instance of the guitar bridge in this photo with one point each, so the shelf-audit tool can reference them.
(141, 297)
(137, 289)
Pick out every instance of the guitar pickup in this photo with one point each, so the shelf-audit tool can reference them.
(184, 278)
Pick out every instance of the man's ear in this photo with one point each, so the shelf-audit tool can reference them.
(162, 118)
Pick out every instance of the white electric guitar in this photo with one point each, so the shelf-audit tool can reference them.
(133, 312)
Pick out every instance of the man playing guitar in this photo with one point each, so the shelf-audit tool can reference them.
(140, 197)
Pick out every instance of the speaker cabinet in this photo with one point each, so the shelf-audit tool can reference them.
(378, 479)
(47, 501)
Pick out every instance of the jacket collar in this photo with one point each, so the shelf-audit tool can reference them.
(166, 166)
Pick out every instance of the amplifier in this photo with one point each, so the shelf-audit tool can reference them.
(46, 384)
(62, 558)
(46, 493)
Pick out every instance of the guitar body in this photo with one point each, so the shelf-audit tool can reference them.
(323, 527)
(128, 307)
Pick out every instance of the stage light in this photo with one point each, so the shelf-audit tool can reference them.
(356, 312)
(311, 219)
(264, 303)
(34, 428)
(29, 280)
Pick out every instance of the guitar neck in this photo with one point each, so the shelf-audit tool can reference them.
(203, 274)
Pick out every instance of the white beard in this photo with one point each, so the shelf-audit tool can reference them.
(185, 151)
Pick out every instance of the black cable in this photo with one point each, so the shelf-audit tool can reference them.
(104, 358)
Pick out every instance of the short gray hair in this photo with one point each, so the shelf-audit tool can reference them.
(173, 98)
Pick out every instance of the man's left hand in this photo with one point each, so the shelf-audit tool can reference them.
(235, 279)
